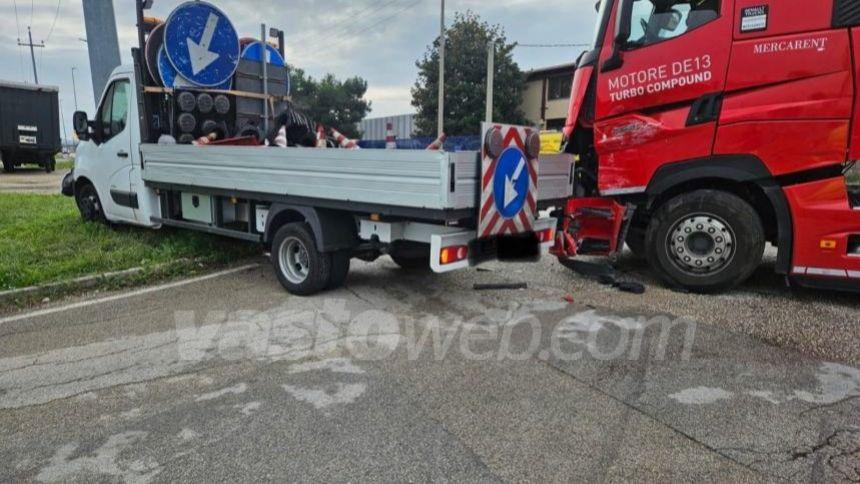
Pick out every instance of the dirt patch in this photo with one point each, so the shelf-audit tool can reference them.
(31, 180)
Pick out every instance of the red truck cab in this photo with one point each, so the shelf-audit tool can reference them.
(726, 124)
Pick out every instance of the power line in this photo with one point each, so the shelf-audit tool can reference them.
(380, 22)
(329, 30)
(552, 45)
(54, 23)
(17, 23)
(20, 49)
(41, 54)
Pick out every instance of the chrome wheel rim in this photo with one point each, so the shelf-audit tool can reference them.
(294, 260)
(701, 244)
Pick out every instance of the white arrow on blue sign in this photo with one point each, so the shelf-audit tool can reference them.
(171, 78)
(511, 182)
(202, 44)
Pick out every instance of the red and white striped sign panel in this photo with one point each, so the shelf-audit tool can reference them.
(508, 180)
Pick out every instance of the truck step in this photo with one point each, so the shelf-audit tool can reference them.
(594, 247)
(596, 213)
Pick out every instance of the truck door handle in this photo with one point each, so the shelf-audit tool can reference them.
(122, 154)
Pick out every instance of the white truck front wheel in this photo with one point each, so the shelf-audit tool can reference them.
(89, 204)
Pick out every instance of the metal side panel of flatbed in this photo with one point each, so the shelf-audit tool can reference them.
(429, 180)
(555, 178)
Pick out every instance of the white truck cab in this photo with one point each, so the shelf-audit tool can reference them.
(107, 173)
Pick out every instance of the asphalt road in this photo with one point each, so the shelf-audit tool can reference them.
(409, 377)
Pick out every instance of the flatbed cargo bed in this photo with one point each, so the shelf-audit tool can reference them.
(425, 184)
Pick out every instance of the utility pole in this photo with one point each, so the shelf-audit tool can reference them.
(102, 43)
(491, 72)
(264, 55)
(63, 124)
(75, 87)
(441, 113)
(31, 45)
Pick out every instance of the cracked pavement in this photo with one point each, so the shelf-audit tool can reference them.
(411, 377)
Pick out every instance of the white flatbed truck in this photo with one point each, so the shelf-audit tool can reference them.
(313, 209)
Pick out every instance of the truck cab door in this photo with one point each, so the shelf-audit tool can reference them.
(658, 89)
(114, 151)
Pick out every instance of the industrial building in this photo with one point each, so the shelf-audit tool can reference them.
(376, 128)
(547, 95)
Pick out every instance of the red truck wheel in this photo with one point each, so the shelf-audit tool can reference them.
(705, 241)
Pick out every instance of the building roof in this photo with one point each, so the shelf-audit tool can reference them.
(29, 87)
(543, 72)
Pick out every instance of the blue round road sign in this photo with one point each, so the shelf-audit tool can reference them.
(165, 69)
(252, 52)
(202, 44)
(511, 182)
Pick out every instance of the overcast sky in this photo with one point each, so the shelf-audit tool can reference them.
(375, 39)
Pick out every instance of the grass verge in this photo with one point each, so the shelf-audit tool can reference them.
(44, 240)
(65, 165)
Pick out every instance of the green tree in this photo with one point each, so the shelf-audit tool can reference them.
(330, 101)
(466, 79)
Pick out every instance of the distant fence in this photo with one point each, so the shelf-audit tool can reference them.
(454, 143)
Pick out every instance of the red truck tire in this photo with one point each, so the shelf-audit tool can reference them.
(705, 241)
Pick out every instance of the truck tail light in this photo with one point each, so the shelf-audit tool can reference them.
(450, 255)
(546, 236)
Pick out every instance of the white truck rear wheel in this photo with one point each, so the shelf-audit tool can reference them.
(299, 265)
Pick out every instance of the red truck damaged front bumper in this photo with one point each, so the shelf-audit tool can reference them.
(592, 226)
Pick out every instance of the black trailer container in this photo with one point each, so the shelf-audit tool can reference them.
(29, 125)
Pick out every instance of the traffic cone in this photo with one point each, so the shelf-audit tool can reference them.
(205, 140)
(281, 139)
(322, 142)
(438, 144)
(343, 141)
(390, 138)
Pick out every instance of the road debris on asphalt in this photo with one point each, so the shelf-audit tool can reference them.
(605, 274)
(500, 287)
